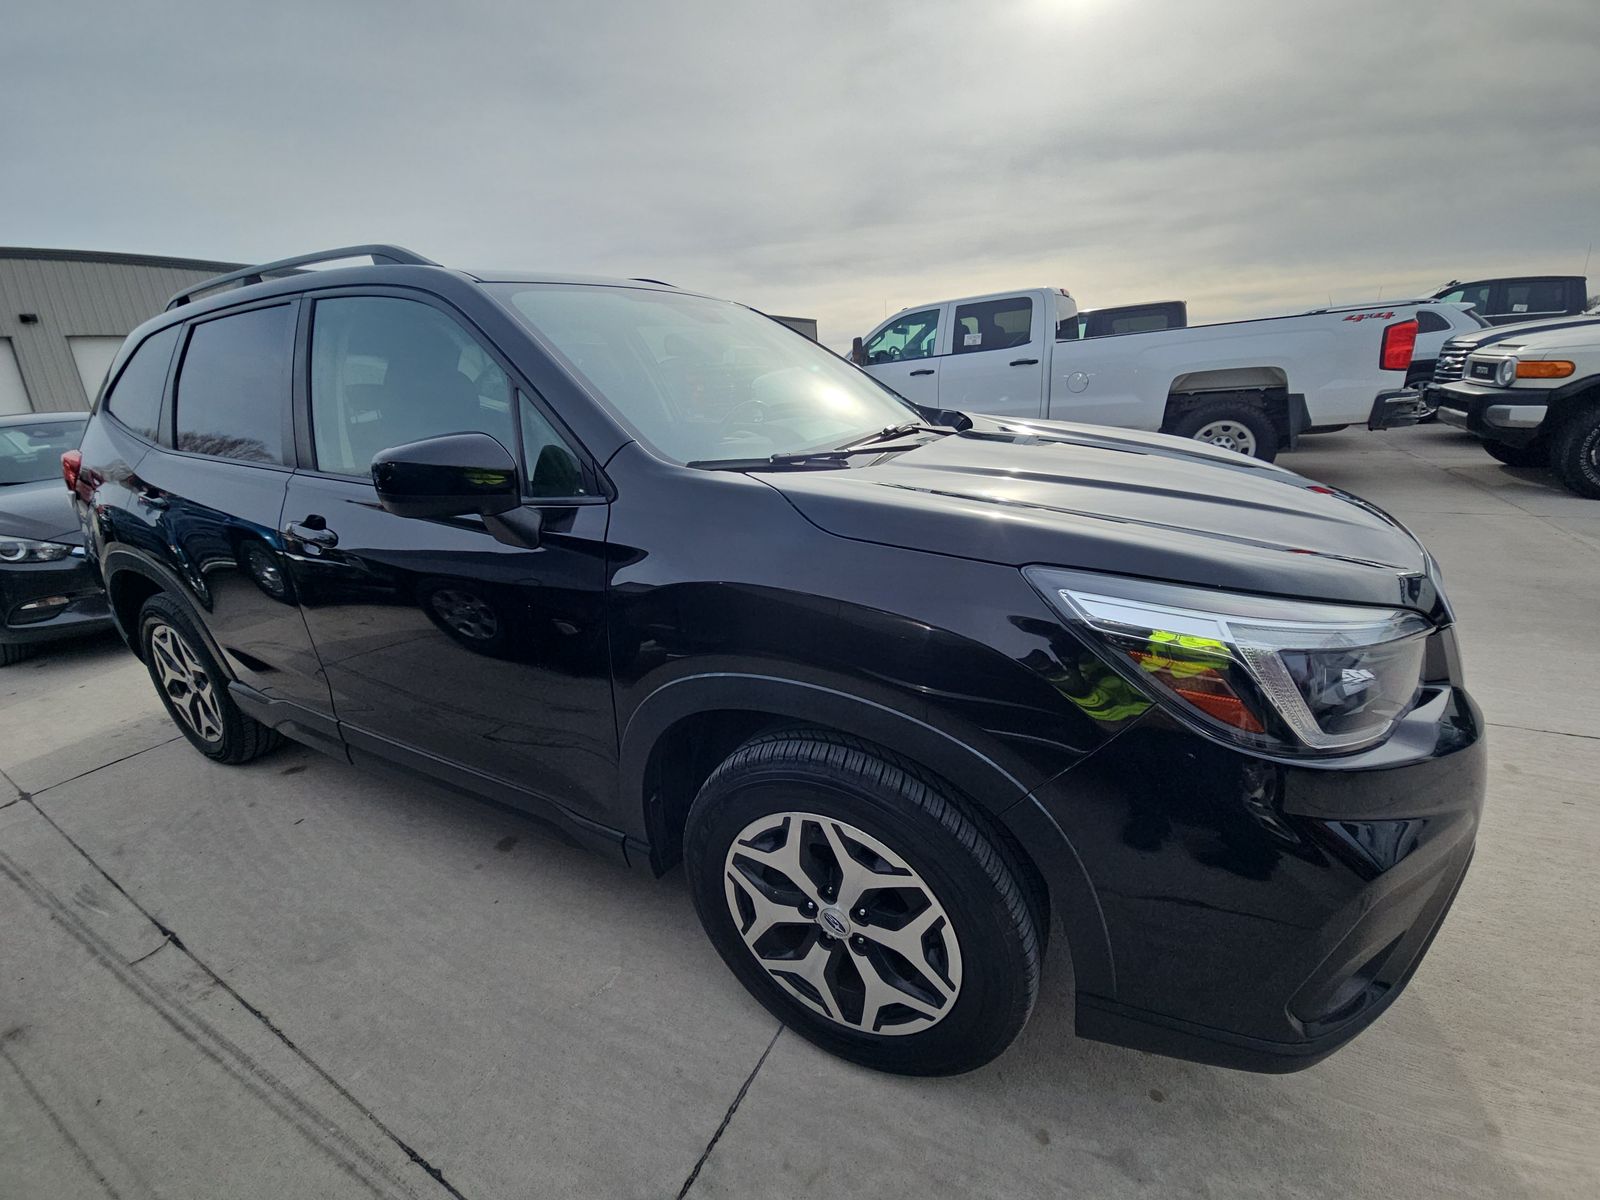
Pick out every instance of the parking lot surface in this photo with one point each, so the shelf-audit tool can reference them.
(299, 979)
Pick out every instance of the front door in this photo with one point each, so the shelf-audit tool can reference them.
(902, 355)
(996, 359)
(444, 647)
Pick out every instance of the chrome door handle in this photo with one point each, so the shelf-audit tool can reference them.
(1024, 362)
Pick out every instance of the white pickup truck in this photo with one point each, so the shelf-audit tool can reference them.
(1252, 386)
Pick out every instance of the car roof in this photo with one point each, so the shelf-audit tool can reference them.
(40, 418)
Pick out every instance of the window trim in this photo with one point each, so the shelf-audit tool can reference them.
(98, 408)
(169, 399)
(304, 439)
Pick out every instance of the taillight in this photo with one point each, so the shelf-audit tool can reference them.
(1399, 340)
(71, 464)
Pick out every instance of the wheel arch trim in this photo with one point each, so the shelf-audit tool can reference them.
(1001, 795)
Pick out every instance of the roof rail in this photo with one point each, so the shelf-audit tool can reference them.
(378, 252)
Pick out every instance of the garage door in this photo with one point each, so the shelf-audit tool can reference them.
(13, 396)
(93, 356)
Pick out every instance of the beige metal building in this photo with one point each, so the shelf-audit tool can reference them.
(63, 313)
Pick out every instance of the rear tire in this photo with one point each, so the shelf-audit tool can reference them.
(194, 687)
(1232, 424)
(1535, 454)
(852, 839)
(13, 652)
(1575, 453)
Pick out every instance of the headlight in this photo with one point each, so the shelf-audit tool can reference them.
(26, 550)
(1277, 675)
(1505, 372)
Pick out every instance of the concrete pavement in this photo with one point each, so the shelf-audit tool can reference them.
(298, 979)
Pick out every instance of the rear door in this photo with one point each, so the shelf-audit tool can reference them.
(448, 650)
(214, 489)
(996, 359)
(904, 355)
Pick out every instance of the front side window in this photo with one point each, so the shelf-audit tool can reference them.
(1477, 296)
(387, 371)
(31, 453)
(135, 398)
(703, 380)
(232, 393)
(912, 336)
(993, 325)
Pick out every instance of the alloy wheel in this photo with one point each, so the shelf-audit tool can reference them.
(1230, 435)
(843, 923)
(186, 682)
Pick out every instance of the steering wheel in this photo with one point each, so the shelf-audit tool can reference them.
(757, 410)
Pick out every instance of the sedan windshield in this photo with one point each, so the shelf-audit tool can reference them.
(31, 453)
(704, 381)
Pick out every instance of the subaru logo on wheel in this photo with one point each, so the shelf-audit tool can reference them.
(833, 921)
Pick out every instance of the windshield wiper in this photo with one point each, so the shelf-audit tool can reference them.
(873, 443)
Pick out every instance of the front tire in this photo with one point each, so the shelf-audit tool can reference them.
(1535, 454)
(861, 905)
(1232, 424)
(14, 652)
(1575, 453)
(194, 687)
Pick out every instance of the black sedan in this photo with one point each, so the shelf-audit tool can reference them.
(47, 590)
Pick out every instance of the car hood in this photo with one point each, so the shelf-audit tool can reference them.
(40, 510)
(1540, 340)
(1522, 330)
(1022, 492)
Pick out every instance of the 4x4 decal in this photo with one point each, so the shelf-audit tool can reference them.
(1372, 316)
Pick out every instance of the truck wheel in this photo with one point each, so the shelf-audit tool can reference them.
(1535, 454)
(861, 906)
(1575, 454)
(1231, 424)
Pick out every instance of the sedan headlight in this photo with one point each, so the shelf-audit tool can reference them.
(1505, 372)
(26, 550)
(1278, 675)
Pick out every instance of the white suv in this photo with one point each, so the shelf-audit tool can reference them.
(1535, 401)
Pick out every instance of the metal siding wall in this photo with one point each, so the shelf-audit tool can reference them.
(74, 299)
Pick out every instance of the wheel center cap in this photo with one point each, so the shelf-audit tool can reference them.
(834, 922)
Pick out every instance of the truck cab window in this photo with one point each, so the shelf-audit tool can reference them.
(912, 336)
(993, 325)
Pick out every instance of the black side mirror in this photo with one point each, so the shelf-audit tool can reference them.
(858, 353)
(447, 476)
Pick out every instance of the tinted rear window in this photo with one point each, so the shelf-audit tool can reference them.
(1430, 322)
(233, 387)
(135, 399)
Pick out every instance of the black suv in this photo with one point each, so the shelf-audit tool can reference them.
(912, 695)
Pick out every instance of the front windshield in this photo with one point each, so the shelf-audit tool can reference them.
(31, 453)
(703, 380)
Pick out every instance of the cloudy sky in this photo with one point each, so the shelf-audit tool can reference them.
(838, 160)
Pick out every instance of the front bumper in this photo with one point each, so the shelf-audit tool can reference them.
(1260, 913)
(42, 602)
(1511, 415)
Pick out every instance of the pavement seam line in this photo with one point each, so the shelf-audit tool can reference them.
(728, 1116)
(1588, 737)
(85, 774)
(171, 937)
